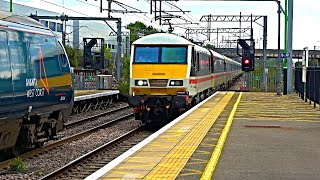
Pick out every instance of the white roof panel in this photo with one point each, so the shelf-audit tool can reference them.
(14, 18)
(215, 54)
(162, 38)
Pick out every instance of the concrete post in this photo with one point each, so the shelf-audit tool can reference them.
(119, 40)
(265, 75)
(279, 58)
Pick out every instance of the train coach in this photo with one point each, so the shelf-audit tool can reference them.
(169, 74)
(36, 92)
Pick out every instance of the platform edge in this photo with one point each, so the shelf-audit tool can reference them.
(134, 149)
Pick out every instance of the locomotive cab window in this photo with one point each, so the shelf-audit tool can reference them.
(162, 54)
(45, 54)
(146, 55)
(174, 55)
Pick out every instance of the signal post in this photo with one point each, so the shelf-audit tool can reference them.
(247, 57)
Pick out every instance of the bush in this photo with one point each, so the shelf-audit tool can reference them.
(17, 165)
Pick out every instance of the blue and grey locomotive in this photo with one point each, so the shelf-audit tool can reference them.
(36, 92)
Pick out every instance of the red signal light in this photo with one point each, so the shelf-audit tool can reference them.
(246, 61)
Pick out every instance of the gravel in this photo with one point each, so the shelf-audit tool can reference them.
(93, 123)
(17, 176)
(114, 106)
(56, 158)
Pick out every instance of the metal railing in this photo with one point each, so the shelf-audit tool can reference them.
(309, 90)
(256, 82)
(91, 80)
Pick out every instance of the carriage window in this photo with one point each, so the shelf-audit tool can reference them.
(198, 63)
(62, 56)
(18, 55)
(59, 27)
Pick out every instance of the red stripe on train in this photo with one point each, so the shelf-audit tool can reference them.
(200, 80)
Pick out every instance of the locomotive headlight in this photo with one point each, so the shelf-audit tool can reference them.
(141, 82)
(176, 83)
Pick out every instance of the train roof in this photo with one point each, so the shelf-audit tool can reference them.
(162, 39)
(23, 20)
(216, 54)
(229, 59)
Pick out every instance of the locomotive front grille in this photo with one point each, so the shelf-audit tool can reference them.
(158, 82)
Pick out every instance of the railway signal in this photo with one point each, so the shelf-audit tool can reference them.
(247, 54)
(248, 62)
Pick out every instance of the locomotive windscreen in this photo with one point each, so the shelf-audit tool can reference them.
(163, 54)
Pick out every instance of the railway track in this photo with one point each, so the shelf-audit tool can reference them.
(96, 159)
(5, 164)
(84, 120)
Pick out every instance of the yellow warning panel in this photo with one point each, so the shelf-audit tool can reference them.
(269, 106)
(166, 155)
(171, 165)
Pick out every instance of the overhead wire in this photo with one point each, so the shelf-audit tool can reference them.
(143, 17)
(124, 7)
(155, 20)
(188, 14)
(176, 7)
(191, 18)
(159, 9)
(172, 5)
(64, 7)
(85, 2)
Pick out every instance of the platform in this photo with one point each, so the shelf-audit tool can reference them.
(89, 94)
(271, 137)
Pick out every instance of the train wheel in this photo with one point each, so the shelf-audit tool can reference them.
(137, 116)
(39, 144)
(208, 93)
(15, 151)
(197, 99)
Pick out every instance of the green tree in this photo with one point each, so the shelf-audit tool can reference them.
(125, 79)
(73, 55)
(139, 29)
(209, 46)
(108, 56)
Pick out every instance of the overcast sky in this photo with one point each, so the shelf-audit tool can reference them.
(306, 24)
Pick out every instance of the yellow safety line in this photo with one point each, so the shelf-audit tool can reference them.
(171, 165)
(207, 174)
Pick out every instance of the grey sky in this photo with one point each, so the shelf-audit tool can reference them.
(306, 15)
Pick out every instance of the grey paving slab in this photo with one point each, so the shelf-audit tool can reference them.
(253, 152)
